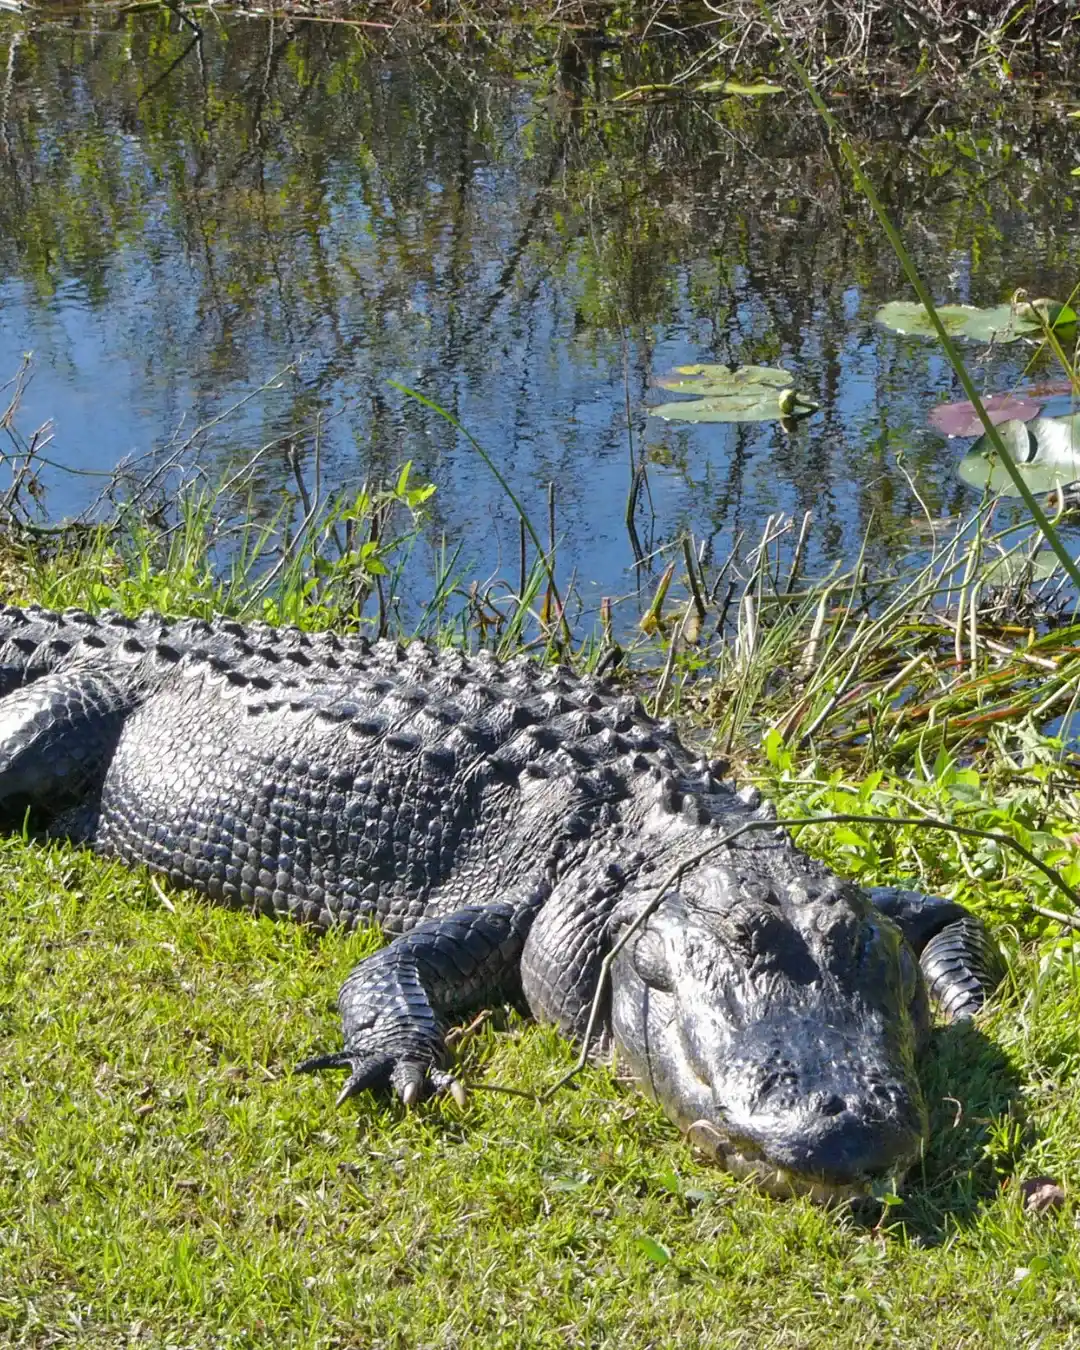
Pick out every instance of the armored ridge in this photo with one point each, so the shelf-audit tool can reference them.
(35, 641)
(507, 823)
(68, 679)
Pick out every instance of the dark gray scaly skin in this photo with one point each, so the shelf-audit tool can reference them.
(115, 660)
(507, 824)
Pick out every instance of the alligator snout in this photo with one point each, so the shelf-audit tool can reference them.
(839, 1103)
(844, 1162)
(846, 1147)
(816, 1105)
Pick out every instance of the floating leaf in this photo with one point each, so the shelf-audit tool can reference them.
(998, 323)
(732, 408)
(1051, 398)
(961, 419)
(1046, 450)
(705, 379)
(1053, 313)
(745, 394)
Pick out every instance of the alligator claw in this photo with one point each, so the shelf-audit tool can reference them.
(363, 1076)
(352, 1086)
(364, 1073)
(442, 1083)
(409, 1080)
(413, 1080)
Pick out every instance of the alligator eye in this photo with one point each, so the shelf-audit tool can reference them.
(650, 962)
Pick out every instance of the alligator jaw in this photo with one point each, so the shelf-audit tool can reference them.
(779, 1182)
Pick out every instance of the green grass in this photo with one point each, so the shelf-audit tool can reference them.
(164, 1179)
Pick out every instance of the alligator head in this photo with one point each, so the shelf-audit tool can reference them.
(778, 1026)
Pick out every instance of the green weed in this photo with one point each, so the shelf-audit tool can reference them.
(164, 1177)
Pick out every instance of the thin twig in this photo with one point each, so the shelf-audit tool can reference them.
(1069, 920)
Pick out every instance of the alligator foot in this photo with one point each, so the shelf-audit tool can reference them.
(962, 966)
(395, 1005)
(410, 1080)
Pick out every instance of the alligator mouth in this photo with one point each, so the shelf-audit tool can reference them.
(779, 1182)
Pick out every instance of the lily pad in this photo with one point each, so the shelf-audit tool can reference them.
(961, 419)
(1051, 398)
(706, 379)
(1046, 450)
(745, 394)
(998, 323)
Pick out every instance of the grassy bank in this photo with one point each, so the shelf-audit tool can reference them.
(165, 1179)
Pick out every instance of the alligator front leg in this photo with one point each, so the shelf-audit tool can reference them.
(396, 1005)
(960, 960)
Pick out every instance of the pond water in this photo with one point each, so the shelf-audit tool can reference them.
(504, 225)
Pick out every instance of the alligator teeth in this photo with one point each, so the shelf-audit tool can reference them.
(775, 1181)
(704, 1135)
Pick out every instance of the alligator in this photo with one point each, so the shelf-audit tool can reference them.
(508, 826)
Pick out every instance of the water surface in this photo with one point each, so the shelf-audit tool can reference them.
(492, 222)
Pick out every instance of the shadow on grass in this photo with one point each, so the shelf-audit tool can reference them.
(976, 1128)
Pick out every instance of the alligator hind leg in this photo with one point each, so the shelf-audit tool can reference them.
(396, 1005)
(959, 959)
(58, 734)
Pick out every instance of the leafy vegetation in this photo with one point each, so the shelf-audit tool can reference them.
(746, 394)
(312, 563)
(1046, 450)
(998, 323)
